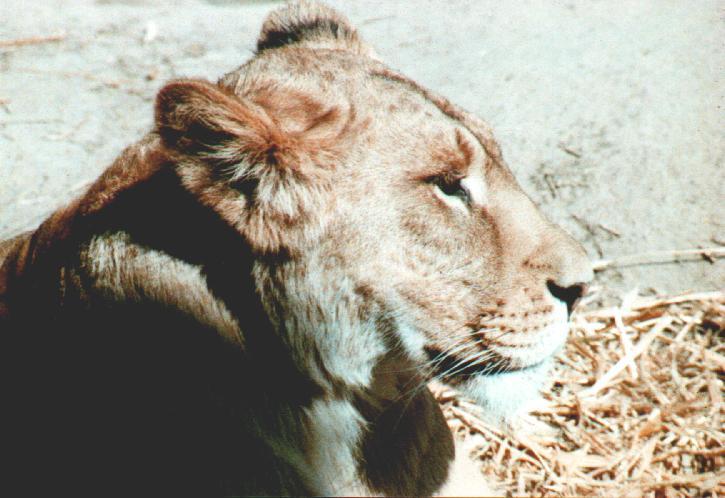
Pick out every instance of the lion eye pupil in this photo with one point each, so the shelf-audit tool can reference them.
(453, 188)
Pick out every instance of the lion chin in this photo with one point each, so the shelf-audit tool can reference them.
(252, 299)
(505, 396)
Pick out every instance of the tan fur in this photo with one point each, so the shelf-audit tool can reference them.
(346, 234)
(136, 278)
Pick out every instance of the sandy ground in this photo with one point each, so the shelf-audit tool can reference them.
(609, 112)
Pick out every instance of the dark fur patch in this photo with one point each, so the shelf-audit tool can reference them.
(296, 33)
(304, 21)
(407, 447)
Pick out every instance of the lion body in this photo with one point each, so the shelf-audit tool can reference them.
(251, 299)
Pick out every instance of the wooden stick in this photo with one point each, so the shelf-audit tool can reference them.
(683, 298)
(649, 303)
(659, 257)
(690, 451)
(712, 477)
(33, 40)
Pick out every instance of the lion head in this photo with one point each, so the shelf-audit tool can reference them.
(349, 233)
(400, 224)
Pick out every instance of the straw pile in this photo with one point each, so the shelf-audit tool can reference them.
(634, 407)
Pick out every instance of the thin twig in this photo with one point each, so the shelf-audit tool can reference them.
(571, 152)
(376, 19)
(29, 122)
(33, 40)
(550, 183)
(686, 479)
(609, 230)
(652, 303)
(683, 298)
(659, 257)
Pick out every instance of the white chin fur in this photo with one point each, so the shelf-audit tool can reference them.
(507, 395)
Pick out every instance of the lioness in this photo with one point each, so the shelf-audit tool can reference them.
(251, 299)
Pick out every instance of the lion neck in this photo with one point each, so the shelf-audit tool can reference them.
(376, 411)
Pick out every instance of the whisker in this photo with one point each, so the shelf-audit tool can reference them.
(453, 344)
(467, 362)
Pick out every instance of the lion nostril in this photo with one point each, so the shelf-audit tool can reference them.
(570, 294)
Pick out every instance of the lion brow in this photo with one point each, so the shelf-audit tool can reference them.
(463, 157)
(446, 107)
(451, 160)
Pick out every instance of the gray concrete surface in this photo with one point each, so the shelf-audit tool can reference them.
(610, 113)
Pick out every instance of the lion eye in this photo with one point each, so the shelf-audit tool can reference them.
(452, 187)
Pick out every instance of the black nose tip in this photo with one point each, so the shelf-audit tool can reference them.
(570, 295)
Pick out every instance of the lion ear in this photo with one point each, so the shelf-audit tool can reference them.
(312, 25)
(197, 117)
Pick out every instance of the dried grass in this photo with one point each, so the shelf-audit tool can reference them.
(634, 407)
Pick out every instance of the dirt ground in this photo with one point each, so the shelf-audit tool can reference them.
(609, 113)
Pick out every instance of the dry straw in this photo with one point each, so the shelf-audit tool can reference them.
(634, 407)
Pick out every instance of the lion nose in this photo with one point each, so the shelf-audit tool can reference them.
(570, 269)
(570, 294)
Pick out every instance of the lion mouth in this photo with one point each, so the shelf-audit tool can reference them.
(452, 369)
(518, 347)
